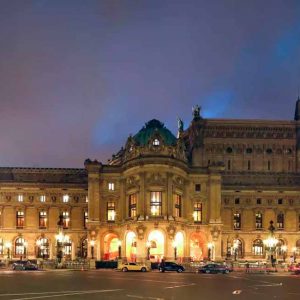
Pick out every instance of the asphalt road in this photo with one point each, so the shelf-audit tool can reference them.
(109, 284)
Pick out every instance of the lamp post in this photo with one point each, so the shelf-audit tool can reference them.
(284, 250)
(119, 248)
(271, 242)
(148, 245)
(8, 247)
(294, 253)
(92, 248)
(174, 245)
(210, 246)
(25, 244)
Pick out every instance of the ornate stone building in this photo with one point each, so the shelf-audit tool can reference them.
(209, 192)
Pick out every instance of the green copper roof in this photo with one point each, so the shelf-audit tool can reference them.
(151, 128)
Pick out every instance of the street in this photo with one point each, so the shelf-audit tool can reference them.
(110, 284)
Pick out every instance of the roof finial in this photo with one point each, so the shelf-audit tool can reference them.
(196, 112)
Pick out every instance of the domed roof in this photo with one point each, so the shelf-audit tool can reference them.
(149, 131)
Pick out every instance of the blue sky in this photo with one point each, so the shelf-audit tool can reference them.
(77, 77)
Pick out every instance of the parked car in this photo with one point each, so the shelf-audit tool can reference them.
(294, 268)
(133, 267)
(215, 268)
(170, 266)
(24, 265)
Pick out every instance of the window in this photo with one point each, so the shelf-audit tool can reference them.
(228, 165)
(1, 246)
(132, 205)
(258, 201)
(111, 186)
(280, 247)
(20, 246)
(269, 151)
(249, 165)
(279, 201)
(155, 142)
(197, 212)
(197, 187)
(86, 199)
(65, 198)
(258, 247)
(155, 203)
(237, 201)
(280, 221)
(43, 219)
(229, 150)
(43, 198)
(20, 198)
(42, 248)
(85, 218)
(237, 221)
(111, 211)
(66, 219)
(258, 220)
(177, 206)
(249, 150)
(20, 219)
(67, 247)
(269, 165)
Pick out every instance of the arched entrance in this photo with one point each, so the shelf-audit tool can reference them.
(179, 244)
(156, 245)
(111, 246)
(131, 246)
(198, 246)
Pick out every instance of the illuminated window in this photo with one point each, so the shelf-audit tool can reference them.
(85, 219)
(197, 214)
(20, 198)
(177, 205)
(43, 198)
(258, 220)
(65, 198)
(67, 246)
(155, 203)
(20, 219)
(237, 221)
(280, 221)
(132, 205)
(86, 199)
(66, 219)
(43, 219)
(155, 142)
(111, 211)
(258, 247)
(43, 248)
(20, 246)
(111, 186)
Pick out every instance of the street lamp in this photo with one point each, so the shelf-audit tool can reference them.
(92, 248)
(271, 242)
(119, 248)
(284, 250)
(25, 244)
(174, 245)
(210, 246)
(8, 246)
(148, 245)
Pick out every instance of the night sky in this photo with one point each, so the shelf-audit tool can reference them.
(77, 77)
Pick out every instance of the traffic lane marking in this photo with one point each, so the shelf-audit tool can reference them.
(178, 286)
(141, 297)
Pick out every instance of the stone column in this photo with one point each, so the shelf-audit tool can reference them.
(142, 205)
(169, 195)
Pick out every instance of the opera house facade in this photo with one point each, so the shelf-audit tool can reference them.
(210, 192)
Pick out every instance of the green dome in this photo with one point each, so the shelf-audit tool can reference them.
(150, 130)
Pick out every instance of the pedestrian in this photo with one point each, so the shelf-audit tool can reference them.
(247, 265)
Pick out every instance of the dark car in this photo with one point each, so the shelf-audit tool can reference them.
(214, 268)
(170, 266)
(23, 265)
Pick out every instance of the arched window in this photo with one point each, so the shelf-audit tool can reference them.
(280, 247)
(20, 246)
(237, 248)
(258, 247)
(42, 248)
(155, 142)
(280, 221)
